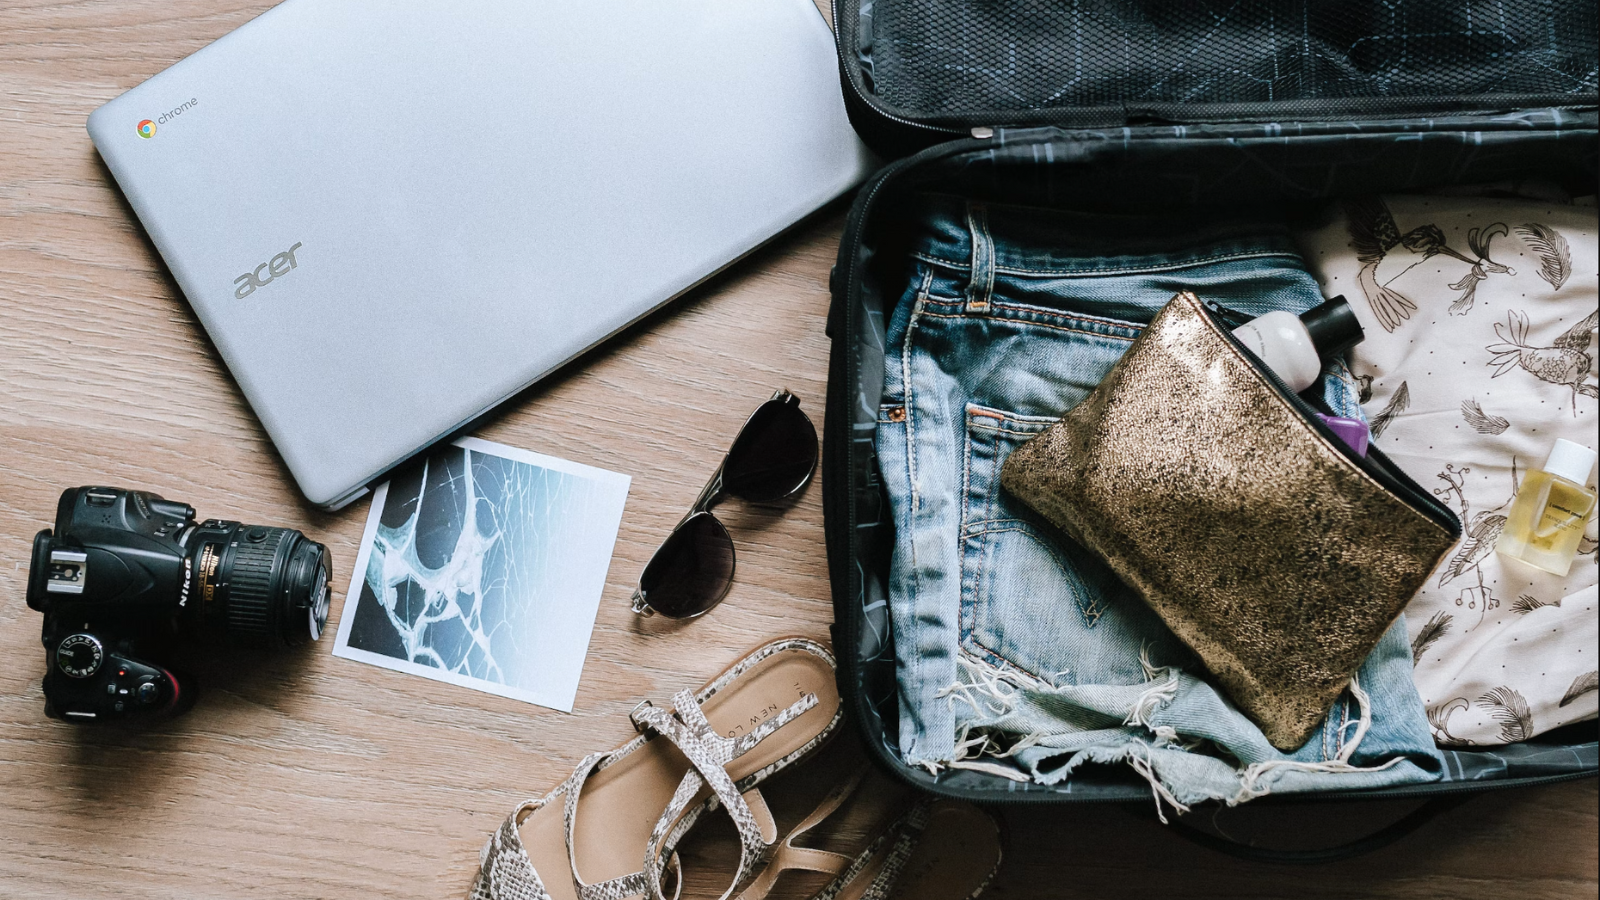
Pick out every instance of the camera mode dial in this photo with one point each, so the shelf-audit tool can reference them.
(80, 655)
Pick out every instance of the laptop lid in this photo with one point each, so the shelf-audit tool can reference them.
(392, 215)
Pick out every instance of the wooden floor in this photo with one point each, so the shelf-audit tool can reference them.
(310, 776)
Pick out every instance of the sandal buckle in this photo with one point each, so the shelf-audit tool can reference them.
(637, 725)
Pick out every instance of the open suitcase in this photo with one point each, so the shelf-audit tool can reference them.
(1117, 106)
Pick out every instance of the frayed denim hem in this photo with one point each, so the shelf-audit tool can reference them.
(1181, 769)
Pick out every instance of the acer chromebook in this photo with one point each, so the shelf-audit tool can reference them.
(392, 215)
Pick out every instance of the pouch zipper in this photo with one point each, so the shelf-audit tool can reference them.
(1382, 470)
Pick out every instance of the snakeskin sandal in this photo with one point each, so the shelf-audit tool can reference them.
(918, 848)
(609, 832)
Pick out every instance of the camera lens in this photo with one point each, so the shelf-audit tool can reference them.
(268, 586)
(307, 611)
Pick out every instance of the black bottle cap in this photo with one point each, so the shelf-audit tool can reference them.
(1333, 327)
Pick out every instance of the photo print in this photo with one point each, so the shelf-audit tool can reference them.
(482, 565)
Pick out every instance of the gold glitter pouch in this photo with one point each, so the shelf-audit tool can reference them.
(1272, 549)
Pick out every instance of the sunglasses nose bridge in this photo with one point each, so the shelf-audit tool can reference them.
(712, 493)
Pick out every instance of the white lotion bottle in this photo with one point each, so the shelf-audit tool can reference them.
(1294, 347)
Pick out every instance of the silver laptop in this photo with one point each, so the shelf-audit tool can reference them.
(392, 215)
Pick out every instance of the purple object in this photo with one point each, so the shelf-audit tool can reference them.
(1352, 431)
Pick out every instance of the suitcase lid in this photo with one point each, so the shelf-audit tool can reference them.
(916, 72)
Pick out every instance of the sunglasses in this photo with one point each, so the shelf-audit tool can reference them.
(771, 459)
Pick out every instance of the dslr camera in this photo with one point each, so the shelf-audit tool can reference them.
(125, 572)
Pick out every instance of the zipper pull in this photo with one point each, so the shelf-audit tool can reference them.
(1231, 317)
(983, 132)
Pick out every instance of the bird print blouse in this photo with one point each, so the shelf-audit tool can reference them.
(1480, 315)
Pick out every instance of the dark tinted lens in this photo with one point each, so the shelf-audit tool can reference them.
(692, 570)
(774, 454)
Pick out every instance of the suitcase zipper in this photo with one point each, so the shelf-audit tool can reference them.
(850, 76)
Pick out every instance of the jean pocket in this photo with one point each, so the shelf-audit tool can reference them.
(1033, 599)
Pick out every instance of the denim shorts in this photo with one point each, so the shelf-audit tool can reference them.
(1018, 651)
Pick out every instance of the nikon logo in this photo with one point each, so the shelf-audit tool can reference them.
(278, 266)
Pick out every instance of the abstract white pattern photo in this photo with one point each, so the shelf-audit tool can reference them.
(482, 566)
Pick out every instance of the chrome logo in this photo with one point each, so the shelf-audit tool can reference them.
(147, 129)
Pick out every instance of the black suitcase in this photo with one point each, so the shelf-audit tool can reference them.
(1128, 106)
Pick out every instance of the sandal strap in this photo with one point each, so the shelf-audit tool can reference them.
(709, 754)
(504, 870)
(794, 859)
(791, 858)
(635, 885)
(910, 828)
(506, 873)
(569, 790)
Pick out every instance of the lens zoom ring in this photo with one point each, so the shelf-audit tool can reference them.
(249, 589)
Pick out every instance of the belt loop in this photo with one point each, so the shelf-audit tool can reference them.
(982, 285)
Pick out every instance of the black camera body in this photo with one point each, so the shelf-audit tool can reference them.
(125, 572)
